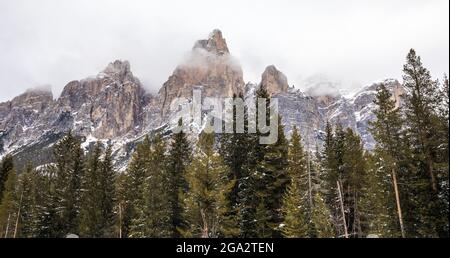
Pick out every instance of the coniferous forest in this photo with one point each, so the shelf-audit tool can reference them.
(230, 185)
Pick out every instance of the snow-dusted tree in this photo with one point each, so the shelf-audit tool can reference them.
(422, 103)
(69, 162)
(206, 204)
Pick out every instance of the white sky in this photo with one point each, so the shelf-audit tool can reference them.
(352, 41)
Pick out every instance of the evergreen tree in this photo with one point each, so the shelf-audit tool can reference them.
(389, 162)
(344, 164)
(264, 179)
(206, 204)
(248, 196)
(353, 173)
(234, 149)
(98, 195)
(296, 223)
(106, 181)
(443, 151)
(271, 172)
(296, 157)
(306, 213)
(6, 166)
(47, 218)
(91, 212)
(27, 211)
(298, 169)
(9, 206)
(421, 109)
(157, 206)
(122, 208)
(331, 162)
(321, 218)
(68, 157)
(178, 159)
(137, 174)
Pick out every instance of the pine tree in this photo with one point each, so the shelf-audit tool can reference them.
(234, 149)
(6, 166)
(295, 223)
(307, 213)
(68, 157)
(330, 174)
(248, 196)
(271, 172)
(321, 218)
(297, 159)
(298, 171)
(353, 181)
(47, 218)
(90, 212)
(264, 174)
(390, 161)
(106, 181)
(27, 211)
(9, 206)
(344, 164)
(206, 204)
(329, 166)
(178, 159)
(421, 109)
(98, 195)
(443, 151)
(137, 174)
(157, 206)
(263, 227)
(273, 176)
(122, 208)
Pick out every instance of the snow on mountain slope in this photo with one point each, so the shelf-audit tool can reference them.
(113, 107)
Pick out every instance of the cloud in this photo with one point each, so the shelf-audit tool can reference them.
(352, 41)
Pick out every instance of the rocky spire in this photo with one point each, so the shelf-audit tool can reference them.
(274, 81)
(214, 44)
(119, 70)
(212, 68)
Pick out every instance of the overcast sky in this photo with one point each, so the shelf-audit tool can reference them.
(352, 41)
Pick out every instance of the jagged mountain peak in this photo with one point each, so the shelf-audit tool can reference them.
(214, 44)
(118, 70)
(209, 66)
(273, 80)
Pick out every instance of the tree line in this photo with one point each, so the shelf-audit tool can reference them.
(230, 185)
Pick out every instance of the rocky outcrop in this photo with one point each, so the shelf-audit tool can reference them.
(209, 67)
(274, 81)
(215, 44)
(310, 113)
(18, 116)
(107, 106)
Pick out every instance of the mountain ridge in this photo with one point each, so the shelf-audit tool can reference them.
(115, 108)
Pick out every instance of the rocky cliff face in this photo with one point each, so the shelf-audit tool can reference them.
(209, 67)
(18, 116)
(107, 106)
(274, 81)
(311, 113)
(113, 107)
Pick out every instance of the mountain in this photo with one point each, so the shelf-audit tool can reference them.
(210, 66)
(113, 107)
(311, 112)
